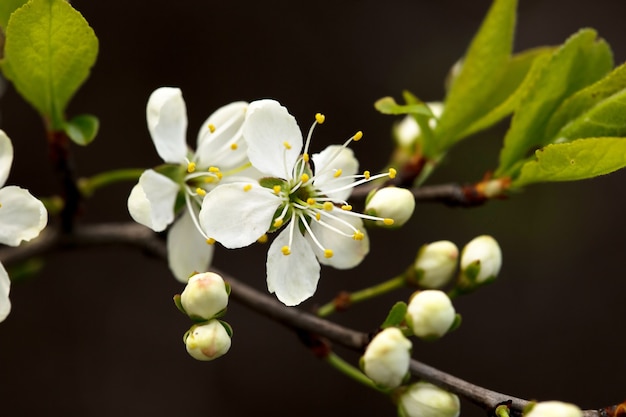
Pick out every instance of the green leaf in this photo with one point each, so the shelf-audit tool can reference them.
(82, 129)
(581, 61)
(520, 72)
(6, 8)
(577, 160)
(48, 53)
(395, 316)
(481, 69)
(584, 100)
(387, 105)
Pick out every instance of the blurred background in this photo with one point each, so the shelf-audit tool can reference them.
(96, 333)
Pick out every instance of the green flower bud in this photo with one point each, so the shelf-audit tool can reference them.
(554, 409)
(430, 314)
(391, 203)
(386, 359)
(436, 263)
(205, 296)
(423, 399)
(481, 260)
(208, 341)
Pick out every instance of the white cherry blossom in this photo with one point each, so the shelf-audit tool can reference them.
(220, 156)
(22, 217)
(307, 195)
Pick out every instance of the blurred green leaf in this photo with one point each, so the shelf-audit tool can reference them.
(482, 68)
(6, 8)
(585, 100)
(395, 316)
(581, 61)
(49, 51)
(387, 105)
(82, 129)
(577, 160)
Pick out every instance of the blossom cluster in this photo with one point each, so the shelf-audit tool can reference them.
(252, 174)
(22, 217)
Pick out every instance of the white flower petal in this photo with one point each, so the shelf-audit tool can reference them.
(166, 114)
(187, 250)
(6, 157)
(5, 286)
(236, 217)
(347, 252)
(224, 147)
(22, 216)
(326, 166)
(292, 277)
(151, 201)
(267, 128)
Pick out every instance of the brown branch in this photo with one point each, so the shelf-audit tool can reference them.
(138, 236)
(454, 195)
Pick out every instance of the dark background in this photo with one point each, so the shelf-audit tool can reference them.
(96, 333)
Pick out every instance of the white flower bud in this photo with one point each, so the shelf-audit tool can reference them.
(481, 261)
(391, 203)
(386, 359)
(204, 296)
(430, 314)
(406, 131)
(554, 409)
(423, 399)
(436, 263)
(208, 341)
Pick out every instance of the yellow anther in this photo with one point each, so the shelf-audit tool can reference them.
(304, 177)
(328, 206)
(357, 136)
(305, 157)
(318, 216)
(278, 223)
(338, 173)
(234, 146)
(310, 201)
(191, 167)
(319, 118)
(388, 221)
(209, 180)
(392, 173)
(219, 175)
(247, 187)
(200, 191)
(346, 207)
(287, 145)
(366, 174)
(210, 241)
(276, 189)
(214, 169)
(262, 239)
(211, 127)
(328, 253)
(358, 235)
(285, 250)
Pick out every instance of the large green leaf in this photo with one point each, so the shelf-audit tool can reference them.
(6, 8)
(482, 68)
(584, 100)
(48, 54)
(577, 160)
(581, 61)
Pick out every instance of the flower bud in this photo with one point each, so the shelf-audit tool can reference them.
(386, 359)
(208, 341)
(407, 131)
(554, 409)
(481, 261)
(423, 399)
(391, 203)
(430, 314)
(436, 263)
(205, 296)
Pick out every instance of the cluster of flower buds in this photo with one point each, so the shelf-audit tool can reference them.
(436, 264)
(204, 300)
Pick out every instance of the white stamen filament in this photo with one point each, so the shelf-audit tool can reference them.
(192, 213)
(308, 229)
(333, 228)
